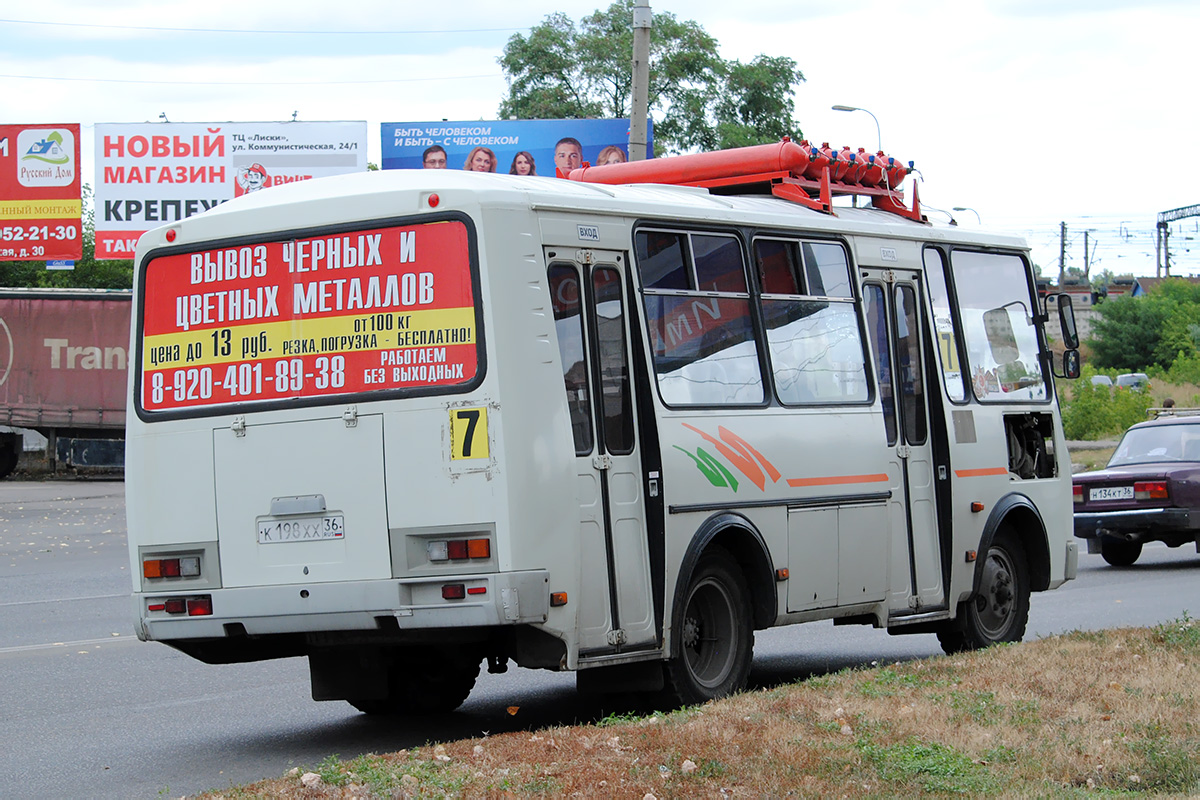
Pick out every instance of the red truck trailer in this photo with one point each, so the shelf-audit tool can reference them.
(63, 355)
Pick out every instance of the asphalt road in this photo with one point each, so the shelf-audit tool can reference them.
(88, 711)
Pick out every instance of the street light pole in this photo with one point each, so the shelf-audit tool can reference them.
(978, 218)
(878, 133)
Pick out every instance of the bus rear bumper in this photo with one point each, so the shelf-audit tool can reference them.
(496, 599)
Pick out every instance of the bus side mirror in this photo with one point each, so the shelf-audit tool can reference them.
(1068, 366)
(1066, 320)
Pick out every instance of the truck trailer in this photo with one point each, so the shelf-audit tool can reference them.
(62, 373)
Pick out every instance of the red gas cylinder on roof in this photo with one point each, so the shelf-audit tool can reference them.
(818, 160)
(895, 172)
(861, 165)
(873, 174)
(841, 164)
(763, 159)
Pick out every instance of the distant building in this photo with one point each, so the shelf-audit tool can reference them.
(1142, 286)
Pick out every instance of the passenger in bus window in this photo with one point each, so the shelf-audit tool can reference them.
(522, 164)
(611, 155)
(568, 154)
(433, 158)
(481, 159)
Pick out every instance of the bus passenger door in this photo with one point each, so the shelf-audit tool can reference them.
(591, 317)
(893, 308)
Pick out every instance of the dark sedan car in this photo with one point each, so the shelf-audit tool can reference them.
(1149, 492)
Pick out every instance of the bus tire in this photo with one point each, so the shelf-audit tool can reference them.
(998, 611)
(434, 682)
(1119, 553)
(716, 633)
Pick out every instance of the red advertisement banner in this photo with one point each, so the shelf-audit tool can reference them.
(40, 201)
(331, 314)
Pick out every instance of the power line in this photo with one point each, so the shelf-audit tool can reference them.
(165, 29)
(256, 83)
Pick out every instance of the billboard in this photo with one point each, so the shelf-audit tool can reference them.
(40, 193)
(509, 141)
(148, 173)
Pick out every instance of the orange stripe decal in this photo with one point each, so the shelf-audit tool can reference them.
(834, 480)
(979, 473)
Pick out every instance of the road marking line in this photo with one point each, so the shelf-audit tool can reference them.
(24, 648)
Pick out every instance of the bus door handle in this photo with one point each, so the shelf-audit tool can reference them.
(602, 461)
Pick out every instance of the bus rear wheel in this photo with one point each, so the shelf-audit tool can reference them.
(714, 631)
(423, 682)
(998, 611)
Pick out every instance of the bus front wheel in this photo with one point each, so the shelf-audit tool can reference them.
(999, 609)
(715, 633)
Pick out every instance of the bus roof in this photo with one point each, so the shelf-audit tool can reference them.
(390, 193)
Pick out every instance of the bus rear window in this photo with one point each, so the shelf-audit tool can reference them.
(385, 309)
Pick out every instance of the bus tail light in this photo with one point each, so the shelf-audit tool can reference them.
(199, 606)
(454, 591)
(182, 567)
(1150, 490)
(459, 549)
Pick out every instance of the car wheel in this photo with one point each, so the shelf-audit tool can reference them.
(715, 633)
(1119, 553)
(999, 609)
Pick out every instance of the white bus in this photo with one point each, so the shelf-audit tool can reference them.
(404, 422)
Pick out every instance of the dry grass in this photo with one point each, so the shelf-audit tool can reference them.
(1089, 458)
(1111, 712)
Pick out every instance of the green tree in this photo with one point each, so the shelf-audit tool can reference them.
(1135, 332)
(699, 101)
(88, 273)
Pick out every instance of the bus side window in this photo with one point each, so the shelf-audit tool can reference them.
(828, 273)
(944, 326)
(877, 330)
(908, 354)
(614, 400)
(705, 353)
(813, 338)
(568, 322)
(776, 266)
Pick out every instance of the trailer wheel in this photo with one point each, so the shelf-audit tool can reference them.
(999, 609)
(715, 633)
(11, 446)
(8, 462)
(428, 682)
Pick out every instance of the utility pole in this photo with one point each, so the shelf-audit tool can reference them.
(1062, 254)
(639, 106)
(1166, 231)
(1085, 256)
(1158, 250)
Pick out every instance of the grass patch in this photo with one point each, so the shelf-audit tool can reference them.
(930, 768)
(1112, 712)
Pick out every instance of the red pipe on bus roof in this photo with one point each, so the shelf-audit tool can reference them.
(785, 156)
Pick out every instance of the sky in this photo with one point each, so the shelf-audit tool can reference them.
(1029, 113)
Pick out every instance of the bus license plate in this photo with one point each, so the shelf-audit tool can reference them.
(1111, 493)
(302, 529)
